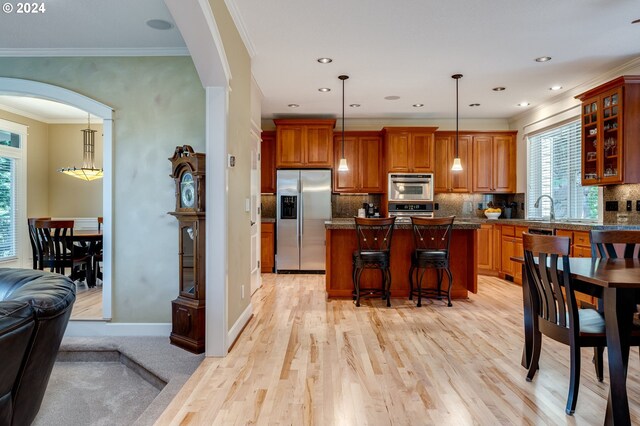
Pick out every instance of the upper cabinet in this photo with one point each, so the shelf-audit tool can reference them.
(304, 143)
(494, 162)
(447, 180)
(610, 131)
(409, 149)
(363, 151)
(268, 162)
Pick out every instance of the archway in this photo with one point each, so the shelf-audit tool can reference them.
(19, 87)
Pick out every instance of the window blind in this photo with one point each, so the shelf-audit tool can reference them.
(554, 169)
(8, 231)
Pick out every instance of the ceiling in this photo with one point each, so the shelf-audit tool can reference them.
(407, 49)
(411, 48)
(91, 27)
(44, 110)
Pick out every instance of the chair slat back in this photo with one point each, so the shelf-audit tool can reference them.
(609, 244)
(374, 234)
(36, 246)
(432, 233)
(547, 280)
(55, 236)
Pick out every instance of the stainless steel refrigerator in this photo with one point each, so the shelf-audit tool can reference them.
(303, 205)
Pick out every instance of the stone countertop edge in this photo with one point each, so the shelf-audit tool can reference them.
(349, 223)
(474, 223)
(268, 220)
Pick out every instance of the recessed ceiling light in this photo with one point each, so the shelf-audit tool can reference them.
(543, 59)
(555, 87)
(355, 105)
(324, 89)
(523, 104)
(418, 105)
(325, 60)
(392, 98)
(498, 89)
(474, 105)
(159, 24)
(293, 105)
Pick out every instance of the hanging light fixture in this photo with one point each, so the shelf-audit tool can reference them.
(87, 171)
(457, 165)
(343, 167)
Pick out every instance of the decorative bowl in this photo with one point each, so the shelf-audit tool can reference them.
(492, 215)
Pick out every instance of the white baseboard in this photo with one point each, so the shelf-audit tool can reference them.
(234, 332)
(101, 328)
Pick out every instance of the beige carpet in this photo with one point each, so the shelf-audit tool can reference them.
(114, 381)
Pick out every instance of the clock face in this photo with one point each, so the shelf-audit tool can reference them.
(187, 190)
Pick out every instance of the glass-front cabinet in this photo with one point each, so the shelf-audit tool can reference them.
(605, 158)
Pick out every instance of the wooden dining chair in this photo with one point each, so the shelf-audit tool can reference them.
(615, 244)
(58, 250)
(36, 247)
(558, 315)
(97, 256)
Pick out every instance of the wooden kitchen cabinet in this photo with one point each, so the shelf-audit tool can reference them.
(610, 118)
(512, 247)
(304, 143)
(267, 247)
(268, 162)
(445, 179)
(409, 149)
(485, 248)
(363, 151)
(494, 162)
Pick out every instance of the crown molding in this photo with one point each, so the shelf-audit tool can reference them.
(240, 26)
(75, 52)
(581, 88)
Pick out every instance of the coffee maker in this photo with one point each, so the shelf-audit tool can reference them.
(370, 210)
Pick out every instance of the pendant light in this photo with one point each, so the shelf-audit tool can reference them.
(88, 171)
(457, 165)
(343, 167)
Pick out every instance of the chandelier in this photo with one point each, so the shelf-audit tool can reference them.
(88, 170)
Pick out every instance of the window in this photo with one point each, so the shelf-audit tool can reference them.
(554, 169)
(12, 191)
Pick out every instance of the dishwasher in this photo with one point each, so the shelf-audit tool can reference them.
(541, 231)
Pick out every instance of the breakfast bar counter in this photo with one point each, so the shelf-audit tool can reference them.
(342, 242)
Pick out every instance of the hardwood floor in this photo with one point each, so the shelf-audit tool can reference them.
(305, 360)
(88, 304)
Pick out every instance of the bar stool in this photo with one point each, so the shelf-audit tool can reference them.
(432, 237)
(374, 250)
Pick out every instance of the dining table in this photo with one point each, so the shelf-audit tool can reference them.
(617, 282)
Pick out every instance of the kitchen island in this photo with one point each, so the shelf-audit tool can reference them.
(342, 242)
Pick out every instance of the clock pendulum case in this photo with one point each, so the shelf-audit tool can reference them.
(188, 309)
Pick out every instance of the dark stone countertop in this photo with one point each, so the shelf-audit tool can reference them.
(268, 220)
(349, 223)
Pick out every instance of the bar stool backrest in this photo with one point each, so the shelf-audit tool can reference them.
(432, 234)
(610, 244)
(374, 234)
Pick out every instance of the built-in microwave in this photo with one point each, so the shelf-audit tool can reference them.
(410, 187)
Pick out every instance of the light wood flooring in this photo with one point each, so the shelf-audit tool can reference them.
(304, 360)
(88, 304)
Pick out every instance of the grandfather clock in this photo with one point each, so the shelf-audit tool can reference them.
(188, 310)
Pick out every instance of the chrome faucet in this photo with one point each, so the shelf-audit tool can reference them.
(552, 213)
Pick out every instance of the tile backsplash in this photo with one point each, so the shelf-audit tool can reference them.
(473, 205)
(347, 205)
(622, 194)
(269, 206)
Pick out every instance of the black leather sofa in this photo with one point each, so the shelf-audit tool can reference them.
(35, 307)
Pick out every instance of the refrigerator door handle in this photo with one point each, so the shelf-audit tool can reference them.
(301, 208)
